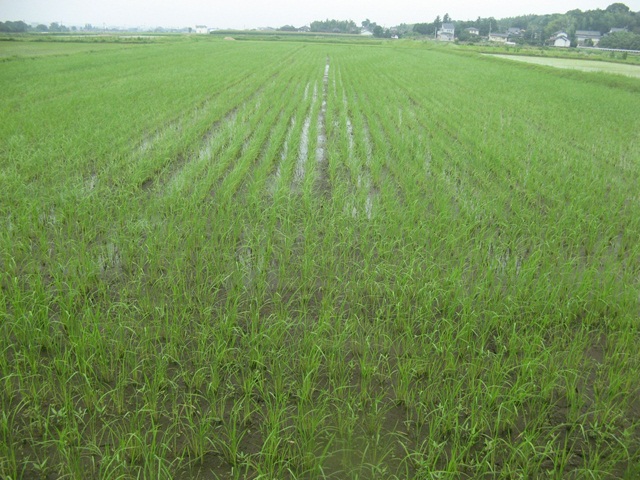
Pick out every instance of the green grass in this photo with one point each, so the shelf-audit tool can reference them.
(216, 262)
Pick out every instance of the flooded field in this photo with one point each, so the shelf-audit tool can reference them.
(576, 64)
(299, 260)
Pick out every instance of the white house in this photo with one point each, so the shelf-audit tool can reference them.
(561, 40)
(202, 29)
(472, 31)
(447, 32)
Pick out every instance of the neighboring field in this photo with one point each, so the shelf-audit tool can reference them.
(584, 65)
(295, 260)
(10, 50)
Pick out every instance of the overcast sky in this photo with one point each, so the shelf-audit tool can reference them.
(275, 13)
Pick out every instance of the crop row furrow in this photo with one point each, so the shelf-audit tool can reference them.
(224, 112)
(258, 152)
(323, 181)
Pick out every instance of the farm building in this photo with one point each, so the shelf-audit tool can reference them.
(447, 32)
(588, 37)
(498, 37)
(561, 40)
(202, 29)
(472, 31)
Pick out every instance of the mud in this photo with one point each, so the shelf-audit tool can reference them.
(274, 178)
(322, 135)
(303, 152)
(321, 141)
(210, 140)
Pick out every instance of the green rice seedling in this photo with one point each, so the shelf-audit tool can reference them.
(200, 427)
(275, 456)
(10, 465)
(234, 430)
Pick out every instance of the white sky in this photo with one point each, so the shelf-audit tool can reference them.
(275, 13)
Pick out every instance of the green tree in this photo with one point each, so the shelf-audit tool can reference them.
(464, 36)
(423, 28)
(14, 27)
(334, 26)
(622, 40)
(617, 8)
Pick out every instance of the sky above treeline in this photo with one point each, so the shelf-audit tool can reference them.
(275, 13)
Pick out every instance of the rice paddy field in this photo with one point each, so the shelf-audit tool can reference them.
(302, 260)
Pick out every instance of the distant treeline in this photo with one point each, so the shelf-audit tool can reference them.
(13, 27)
(537, 29)
(22, 27)
(334, 26)
(531, 29)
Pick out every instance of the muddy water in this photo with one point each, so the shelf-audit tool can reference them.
(577, 64)
(274, 178)
(368, 205)
(303, 153)
(210, 140)
(322, 137)
(371, 192)
(350, 135)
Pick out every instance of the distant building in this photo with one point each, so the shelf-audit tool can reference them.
(588, 37)
(202, 29)
(366, 33)
(615, 30)
(498, 37)
(305, 29)
(561, 39)
(472, 31)
(515, 32)
(446, 33)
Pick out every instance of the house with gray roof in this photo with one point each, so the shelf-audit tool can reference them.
(446, 33)
(588, 37)
(498, 37)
